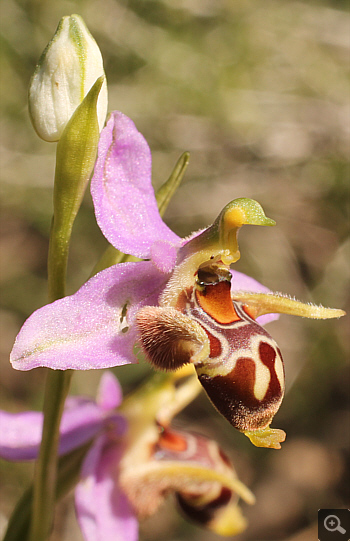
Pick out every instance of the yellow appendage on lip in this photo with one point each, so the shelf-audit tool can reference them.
(234, 217)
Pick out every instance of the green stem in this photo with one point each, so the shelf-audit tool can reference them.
(75, 158)
(57, 261)
(56, 390)
(69, 466)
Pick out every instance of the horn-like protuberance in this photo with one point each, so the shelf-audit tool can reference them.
(169, 338)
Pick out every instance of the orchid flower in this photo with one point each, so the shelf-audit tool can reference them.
(134, 460)
(181, 303)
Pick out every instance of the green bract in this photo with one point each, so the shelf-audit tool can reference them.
(76, 154)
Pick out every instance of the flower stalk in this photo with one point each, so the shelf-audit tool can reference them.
(56, 390)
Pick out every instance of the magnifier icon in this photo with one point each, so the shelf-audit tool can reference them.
(332, 524)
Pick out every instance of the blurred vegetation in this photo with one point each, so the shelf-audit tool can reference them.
(258, 92)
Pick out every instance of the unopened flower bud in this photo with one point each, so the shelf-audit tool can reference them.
(67, 69)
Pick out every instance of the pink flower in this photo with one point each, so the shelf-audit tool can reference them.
(133, 462)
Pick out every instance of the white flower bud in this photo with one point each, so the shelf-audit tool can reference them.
(66, 71)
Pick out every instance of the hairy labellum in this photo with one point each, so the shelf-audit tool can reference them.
(243, 375)
(237, 362)
(169, 338)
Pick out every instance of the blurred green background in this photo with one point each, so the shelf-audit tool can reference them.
(258, 92)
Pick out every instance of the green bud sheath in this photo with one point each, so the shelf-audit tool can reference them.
(75, 159)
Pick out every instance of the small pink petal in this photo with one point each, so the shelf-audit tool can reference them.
(20, 433)
(109, 393)
(103, 511)
(242, 282)
(82, 419)
(125, 205)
